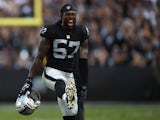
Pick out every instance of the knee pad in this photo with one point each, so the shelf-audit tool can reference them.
(60, 88)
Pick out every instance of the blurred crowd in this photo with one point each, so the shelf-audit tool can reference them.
(16, 8)
(122, 32)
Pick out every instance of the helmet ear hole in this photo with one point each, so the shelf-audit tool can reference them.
(26, 104)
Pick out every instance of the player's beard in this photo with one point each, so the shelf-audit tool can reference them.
(69, 24)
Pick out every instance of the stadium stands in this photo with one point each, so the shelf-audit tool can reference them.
(121, 32)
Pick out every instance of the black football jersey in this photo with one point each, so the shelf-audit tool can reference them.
(64, 45)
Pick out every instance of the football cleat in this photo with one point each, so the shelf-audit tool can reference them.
(70, 92)
(27, 103)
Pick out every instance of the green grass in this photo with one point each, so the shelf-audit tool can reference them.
(94, 111)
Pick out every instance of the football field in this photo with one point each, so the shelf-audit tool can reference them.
(93, 111)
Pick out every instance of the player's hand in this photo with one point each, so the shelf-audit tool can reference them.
(83, 93)
(26, 87)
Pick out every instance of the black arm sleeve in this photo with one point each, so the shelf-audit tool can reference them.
(83, 69)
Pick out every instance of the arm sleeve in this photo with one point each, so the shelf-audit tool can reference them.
(83, 69)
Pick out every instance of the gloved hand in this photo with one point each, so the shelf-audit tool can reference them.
(83, 93)
(26, 87)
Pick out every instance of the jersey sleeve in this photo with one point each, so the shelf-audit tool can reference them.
(44, 32)
(85, 32)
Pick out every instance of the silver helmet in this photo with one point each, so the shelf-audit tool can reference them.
(27, 103)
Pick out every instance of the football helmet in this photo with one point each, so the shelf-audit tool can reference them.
(67, 7)
(27, 103)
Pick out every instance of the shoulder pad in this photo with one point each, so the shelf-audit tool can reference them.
(43, 30)
(85, 31)
(46, 30)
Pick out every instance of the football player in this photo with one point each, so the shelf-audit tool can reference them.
(61, 43)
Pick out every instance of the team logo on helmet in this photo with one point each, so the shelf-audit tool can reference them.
(68, 7)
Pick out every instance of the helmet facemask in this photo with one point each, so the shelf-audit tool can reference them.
(26, 104)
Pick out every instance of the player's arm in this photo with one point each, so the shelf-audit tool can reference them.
(42, 51)
(84, 50)
(83, 69)
(83, 63)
